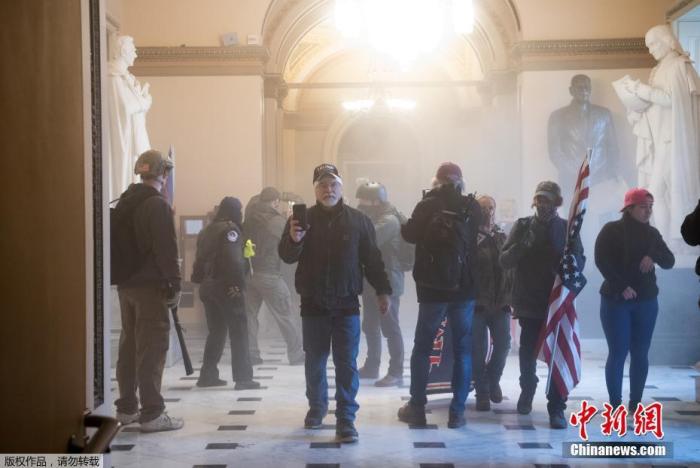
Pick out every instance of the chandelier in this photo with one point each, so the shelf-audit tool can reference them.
(403, 29)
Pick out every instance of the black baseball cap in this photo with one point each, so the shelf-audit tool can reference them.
(324, 170)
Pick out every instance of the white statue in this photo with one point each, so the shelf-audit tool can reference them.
(128, 103)
(665, 115)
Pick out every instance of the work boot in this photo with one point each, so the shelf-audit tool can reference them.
(162, 423)
(495, 392)
(345, 432)
(557, 420)
(246, 385)
(389, 381)
(314, 418)
(413, 415)
(368, 373)
(525, 401)
(456, 420)
(483, 403)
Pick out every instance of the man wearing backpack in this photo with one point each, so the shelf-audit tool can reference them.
(264, 225)
(372, 201)
(444, 227)
(143, 219)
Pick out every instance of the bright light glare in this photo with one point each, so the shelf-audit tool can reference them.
(463, 16)
(403, 29)
(359, 105)
(401, 104)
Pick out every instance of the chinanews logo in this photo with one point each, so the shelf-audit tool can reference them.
(645, 420)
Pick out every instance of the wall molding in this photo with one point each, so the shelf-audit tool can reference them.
(194, 61)
(630, 52)
(680, 8)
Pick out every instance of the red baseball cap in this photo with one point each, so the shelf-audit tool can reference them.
(636, 196)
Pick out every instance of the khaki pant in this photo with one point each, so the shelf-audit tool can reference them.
(143, 345)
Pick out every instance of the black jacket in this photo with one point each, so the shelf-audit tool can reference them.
(337, 249)
(219, 258)
(619, 249)
(491, 279)
(690, 230)
(534, 250)
(264, 226)
(156, 240)
(448, 198)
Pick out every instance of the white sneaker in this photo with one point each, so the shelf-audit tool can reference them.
(125, 418)
(162, 423)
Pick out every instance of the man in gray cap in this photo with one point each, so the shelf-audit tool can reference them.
(148, 286)
(264, 225)
(534, 250)
(335, 247)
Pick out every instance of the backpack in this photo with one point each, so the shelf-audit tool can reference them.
(442, 256)
(126, 259)
(406, 253)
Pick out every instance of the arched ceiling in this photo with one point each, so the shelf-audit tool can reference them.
(299, 36)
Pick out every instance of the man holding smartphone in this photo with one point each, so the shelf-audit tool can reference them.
(334, 245)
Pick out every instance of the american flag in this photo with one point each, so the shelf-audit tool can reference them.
(559, 343)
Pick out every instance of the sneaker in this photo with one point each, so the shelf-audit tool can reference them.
(367, 373)
(314, 418)
(483, 403)
(557, 420)
(456, 420)
(495, 393)
(210, 382)
(246, 385)
(125, 418)
(162, 423)
(525, 402)
(345, 432)
(389, 381)
(413, 415)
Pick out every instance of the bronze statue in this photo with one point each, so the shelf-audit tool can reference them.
(575, 128)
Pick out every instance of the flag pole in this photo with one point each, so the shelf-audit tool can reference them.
(551, 360)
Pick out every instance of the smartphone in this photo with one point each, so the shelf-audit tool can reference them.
(299, 214)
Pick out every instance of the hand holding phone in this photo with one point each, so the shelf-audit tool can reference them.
(298, 224)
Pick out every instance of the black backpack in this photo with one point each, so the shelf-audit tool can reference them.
(442, 256)
(126, 258)
(406, 253)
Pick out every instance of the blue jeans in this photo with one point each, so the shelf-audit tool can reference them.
(498, 323)
(628, 327)
(459, 319)
(343, 332)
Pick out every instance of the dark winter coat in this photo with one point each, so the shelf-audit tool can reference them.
(534, 250)
(491, 279)
(337, 250)
(155, 236)
(619, 250)
(447, 198)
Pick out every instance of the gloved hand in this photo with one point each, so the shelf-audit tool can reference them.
(233, 292)
(173, 299)
(529, 238)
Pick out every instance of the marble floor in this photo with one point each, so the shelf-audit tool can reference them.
(264, 428)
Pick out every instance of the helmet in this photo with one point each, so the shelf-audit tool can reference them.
(151, 164)
(373, 191)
